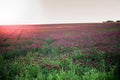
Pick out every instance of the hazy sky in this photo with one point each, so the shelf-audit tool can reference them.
(58, 11)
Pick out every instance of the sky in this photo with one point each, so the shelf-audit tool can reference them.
(58, 11)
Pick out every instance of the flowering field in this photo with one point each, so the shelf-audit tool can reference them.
(77, 44)
(85, 36)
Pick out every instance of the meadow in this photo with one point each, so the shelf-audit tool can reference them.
(60, 52)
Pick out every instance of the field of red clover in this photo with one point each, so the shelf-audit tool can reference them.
(60, 52)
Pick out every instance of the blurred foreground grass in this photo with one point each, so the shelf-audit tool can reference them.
(59, 63)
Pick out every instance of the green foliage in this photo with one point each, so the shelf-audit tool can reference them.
(1, 60)
(13, 54)
(98, 57)
(49, 50)
(78, 55)
(49, 41)
(93, 74)
(4, 45)
(29, 42)
(116, 71)
(64, 50)
(66, 64)
(10, 55)
(47, 65)
(2, 65)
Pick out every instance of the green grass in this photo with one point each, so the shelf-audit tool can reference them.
(35, 67)
(49, 63)
(29, 42)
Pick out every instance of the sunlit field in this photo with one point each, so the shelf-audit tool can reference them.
(60, 52)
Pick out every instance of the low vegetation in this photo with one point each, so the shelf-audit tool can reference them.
(49, 63)
(60, 52)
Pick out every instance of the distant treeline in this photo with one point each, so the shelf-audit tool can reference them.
(110, 21)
